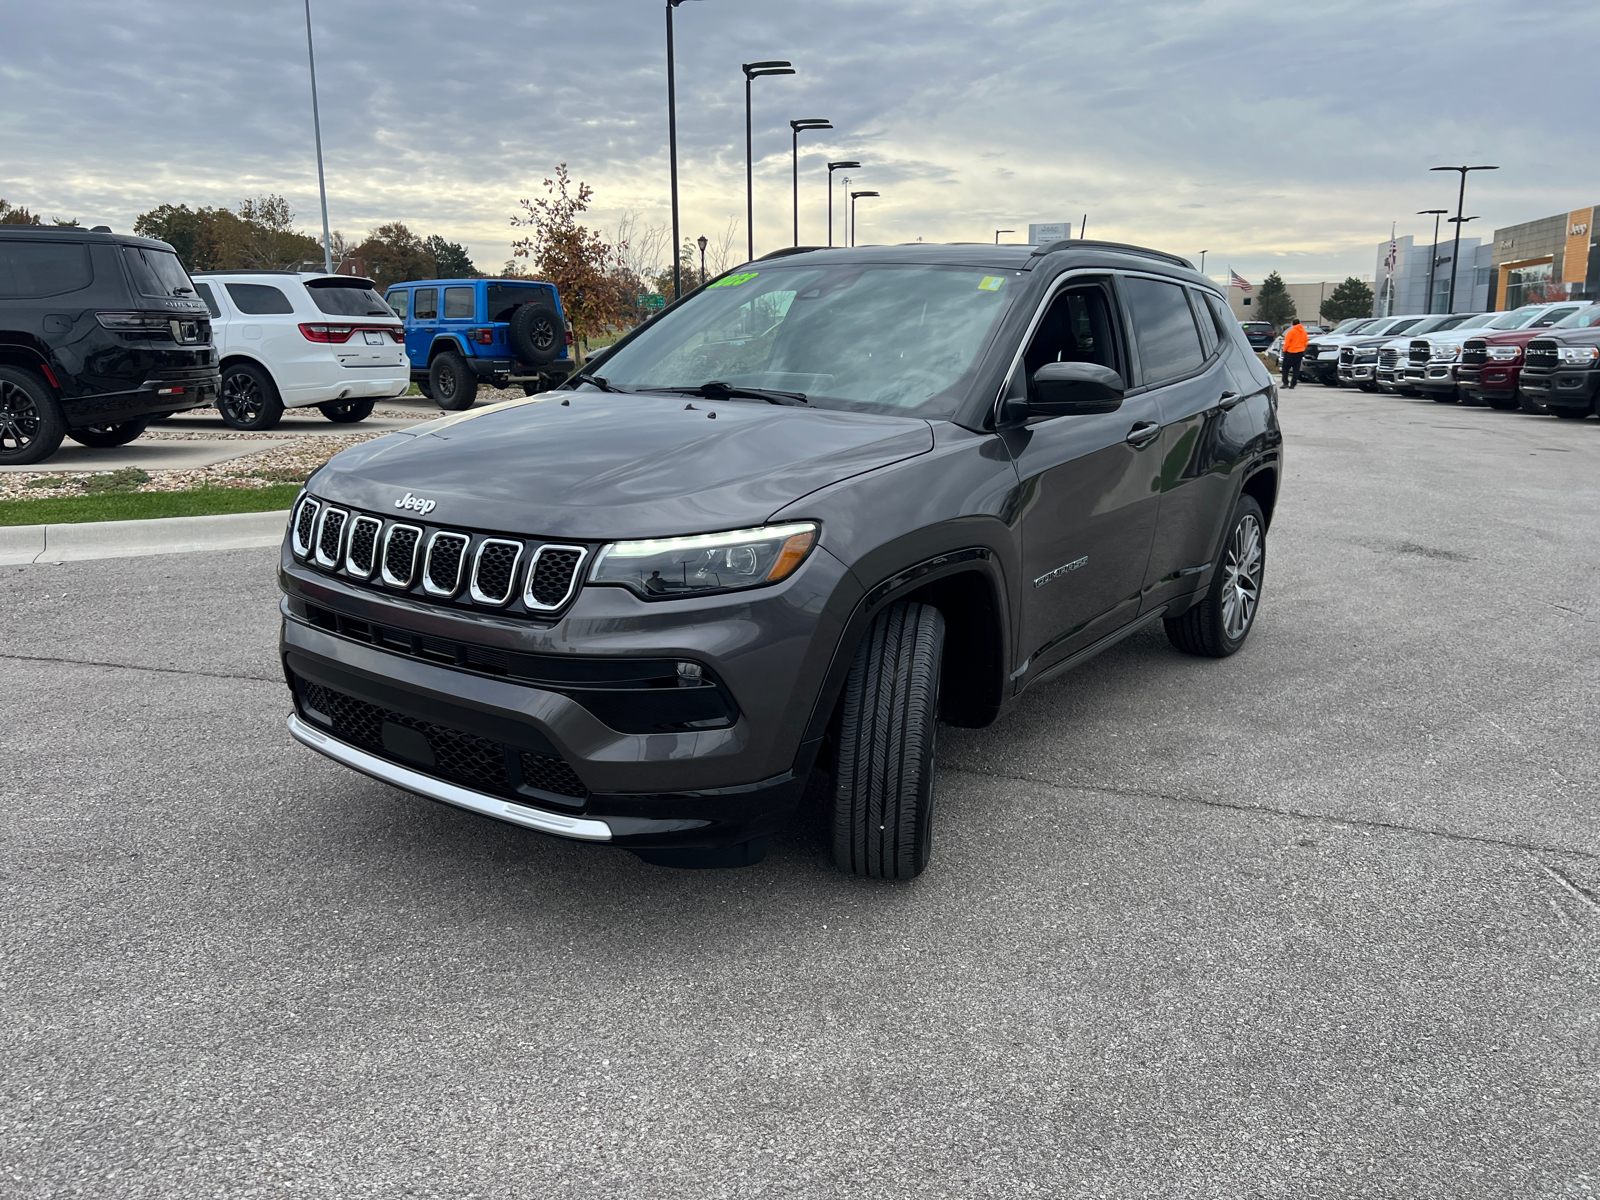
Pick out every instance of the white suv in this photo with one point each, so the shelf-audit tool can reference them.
(291, 339)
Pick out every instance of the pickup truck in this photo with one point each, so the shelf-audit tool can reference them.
(461, 331)
(1352, 358)
(1432, 360)
(1490, 369)
(1562, 369)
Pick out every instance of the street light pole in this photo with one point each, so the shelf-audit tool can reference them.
(701, 241)
(1459, 221)
(753, 71)
(998, 232)
(316, 125)
(854, 196)
(1433, 262)
(795, 127)
(832, 167)
(1203, 254)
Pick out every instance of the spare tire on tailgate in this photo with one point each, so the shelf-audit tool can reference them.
(537, 334)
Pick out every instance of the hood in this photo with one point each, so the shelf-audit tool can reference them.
(594, 466)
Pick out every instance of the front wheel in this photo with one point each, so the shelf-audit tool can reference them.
(346, 412)
(883, 766)
(1503, 403)
(1218, 625)
(453, 383)
(249, 399)
(106, 437)
(1570, 414)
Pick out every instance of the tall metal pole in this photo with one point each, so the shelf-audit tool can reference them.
(844, 164)
(1433, 262)
(1461, 200)
(316, 124)
(749, 177)
(672, 151)
(795, 129)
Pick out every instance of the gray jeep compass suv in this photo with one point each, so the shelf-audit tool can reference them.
(798, 519)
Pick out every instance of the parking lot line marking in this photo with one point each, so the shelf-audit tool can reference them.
(86, 662)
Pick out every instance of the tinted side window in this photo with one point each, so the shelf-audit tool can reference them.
(458, 304)
(399, 300)
(157, 272)
(503, 297)
(1163, 326)
(1231, 331)
(203, 290)
(259, 299)
(1208, 328)
(34, 268)
(426, 305)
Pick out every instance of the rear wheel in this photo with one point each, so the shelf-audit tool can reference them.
(105, 437)
(249, 399)
(1570, 414)
(453, 382)
(883, 768)
(31, 424)
(1219, 624)
(425, 389)
(346, 412)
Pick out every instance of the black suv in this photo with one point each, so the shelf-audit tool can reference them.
(797, 519)
(98, 333)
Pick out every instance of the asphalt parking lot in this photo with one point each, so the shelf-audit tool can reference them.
(1319, 920)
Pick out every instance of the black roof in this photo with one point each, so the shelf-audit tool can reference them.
(1004, 257)
(77, 233)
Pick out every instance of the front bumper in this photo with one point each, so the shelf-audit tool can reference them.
(1490, 379)
(1434, 377)
(1319, 368)
(1357, 372)
(1561, 387)
(1391, 379)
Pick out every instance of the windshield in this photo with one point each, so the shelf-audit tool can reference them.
(1349, 323)
(1584, 318)
(1442, 321)
(1476, 321)
(863, 336)
(1517, 318)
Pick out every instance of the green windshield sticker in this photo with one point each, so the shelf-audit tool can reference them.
(736, 280)
(990, 283)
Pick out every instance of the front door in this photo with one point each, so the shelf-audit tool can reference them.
(422, 326)
(1089, 493)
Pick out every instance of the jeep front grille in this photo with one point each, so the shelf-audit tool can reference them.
(494, 570)
(441, 575)
(360, 558)
(1475, 353)
(400, 555)
(1541, 353)
(479, 762)
(552, 574)
(305, 524)
(330, 536)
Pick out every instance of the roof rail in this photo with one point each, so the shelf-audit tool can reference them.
(1144, 251)
(244, 271)
(787, 251)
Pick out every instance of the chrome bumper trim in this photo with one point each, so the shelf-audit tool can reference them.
(449, 793)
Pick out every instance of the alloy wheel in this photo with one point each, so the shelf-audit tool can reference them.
(544, 335)
(1241, 578)
(19, 418)
(241, 398)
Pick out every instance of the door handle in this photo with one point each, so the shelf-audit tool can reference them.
(1229, 400)
(1142, 434)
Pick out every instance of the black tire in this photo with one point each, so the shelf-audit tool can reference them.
(1445, 397)
(425, 389)
(248, 399)
(347, 412)
(1529, 405)
(31, 424)
(883, 766)
(453, 382)
(1503, 403)
(537, 334)
(1213, 628)
(106, 437)
(1569, 414)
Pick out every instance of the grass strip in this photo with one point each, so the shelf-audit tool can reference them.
(138, 506)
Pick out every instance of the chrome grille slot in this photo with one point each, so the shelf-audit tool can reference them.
(441, 573)
(362, 554)
(1541, 353)
(1475, 353)
(494, 570)
(552, 576)
(330, 536)
(1421, 352)
(400, 555)
(1388, 357)
(305, 524)
(1347, 357)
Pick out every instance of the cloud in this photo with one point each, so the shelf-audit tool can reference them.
(1287, 136)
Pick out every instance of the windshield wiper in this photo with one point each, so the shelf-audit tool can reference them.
(601, 382)
(716, 389)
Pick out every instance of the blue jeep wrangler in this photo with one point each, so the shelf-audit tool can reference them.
(459, 331)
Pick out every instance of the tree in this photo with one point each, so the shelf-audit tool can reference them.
(271, 240)
(181, 228)
(15, 214)
(577, 260)
(259, 236)
(392, 254)
(1272, 301)
(1352, 298)
(450, 259)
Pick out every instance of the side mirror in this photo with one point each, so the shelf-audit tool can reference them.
(1075, 388)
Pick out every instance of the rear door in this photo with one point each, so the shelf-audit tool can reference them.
(1089, 495)
(458, 311)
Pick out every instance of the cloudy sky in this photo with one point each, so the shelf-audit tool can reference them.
(1282, 136)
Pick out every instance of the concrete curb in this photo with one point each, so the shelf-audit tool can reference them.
(21, 544)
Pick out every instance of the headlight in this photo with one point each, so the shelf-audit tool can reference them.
(1505, 353)
(1446, 353)
(1578, 355)
(662, 568)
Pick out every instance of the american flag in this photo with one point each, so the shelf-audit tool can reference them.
(1239, 281)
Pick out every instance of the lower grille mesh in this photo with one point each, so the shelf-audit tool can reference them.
(458, 755)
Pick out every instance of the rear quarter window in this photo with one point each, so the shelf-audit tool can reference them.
(426, 306)
(203, 290)
(259, 299)
(157, 272)
(39, 268)
(459, 304)
(1169, 342)
(502, 298)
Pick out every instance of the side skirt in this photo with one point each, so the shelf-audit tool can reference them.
(1105, 643)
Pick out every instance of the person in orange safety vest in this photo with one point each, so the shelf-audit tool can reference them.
(1294, 346)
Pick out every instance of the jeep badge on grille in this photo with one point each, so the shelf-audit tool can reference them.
(416, 504)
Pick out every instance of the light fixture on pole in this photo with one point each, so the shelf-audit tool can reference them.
(752, 71)
(701, 241)
(316, 125)
(672, 150)
(1458, 220)
(998, 232)
(796, 127)
(832, 167)
(1433, 261)
(1203, 254)
(854, 196)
